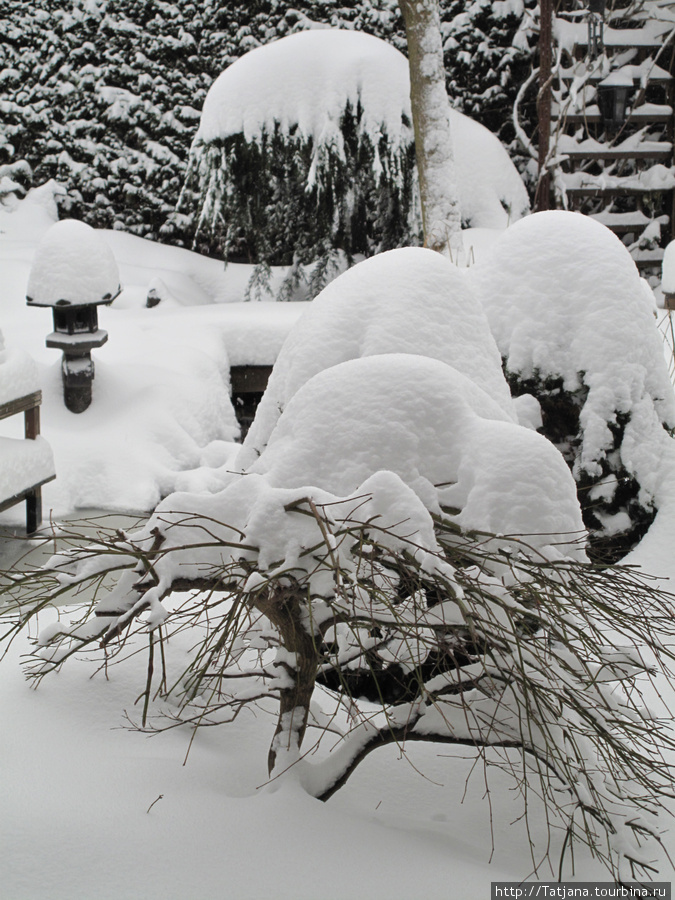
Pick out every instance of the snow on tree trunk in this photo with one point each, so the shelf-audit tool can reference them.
(441, 215)
(298, 658)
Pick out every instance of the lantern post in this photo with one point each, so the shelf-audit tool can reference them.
(74, 272)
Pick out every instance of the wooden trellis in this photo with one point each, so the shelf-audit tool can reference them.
(606, 118)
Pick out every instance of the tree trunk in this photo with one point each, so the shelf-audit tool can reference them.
(542, 199)
(441, 217)
(299, 657)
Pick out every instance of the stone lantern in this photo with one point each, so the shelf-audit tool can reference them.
(74, 273)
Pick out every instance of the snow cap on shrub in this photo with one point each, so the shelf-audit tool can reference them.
(388, 440)
(576, 327)
(440, 433)
(565, 300)
(410, 300)
(73, 266)
(317, 127)
(305, 81)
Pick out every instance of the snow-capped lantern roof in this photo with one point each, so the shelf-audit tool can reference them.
(73, 266)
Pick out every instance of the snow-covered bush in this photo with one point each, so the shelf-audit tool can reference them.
(305, 152)
(396, 559)
(305, 147)
(408, 300)
(575, 326)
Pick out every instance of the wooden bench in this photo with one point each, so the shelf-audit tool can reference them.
(29, 405)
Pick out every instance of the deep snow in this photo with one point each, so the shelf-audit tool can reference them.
(78, 789)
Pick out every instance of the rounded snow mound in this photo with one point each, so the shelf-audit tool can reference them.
(306, 80)
(410, 300)
(491, 192)
(73, 266)
(563, 296)
(565, 300)
(440, 433)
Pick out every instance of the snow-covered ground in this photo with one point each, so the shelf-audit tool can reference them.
(161, 389)
(91, 809)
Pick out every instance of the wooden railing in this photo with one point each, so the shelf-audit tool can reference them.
(29, 405)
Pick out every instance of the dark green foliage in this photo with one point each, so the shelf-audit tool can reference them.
(488, 55)
(123, 157)
(258, 204)
(561, 409)
(105, 102)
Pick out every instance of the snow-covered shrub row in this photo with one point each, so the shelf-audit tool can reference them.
(101, 97)
(106, 97)
(305, 147)
(575, 325)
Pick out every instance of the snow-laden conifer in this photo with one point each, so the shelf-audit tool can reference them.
(305, 149)
(305, 153)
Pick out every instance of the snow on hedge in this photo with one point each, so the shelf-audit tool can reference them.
(389, 388)
(433, 427)
(388, 401)
(73, 266)
(389, 439)
(564, 299)
(410, 300)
